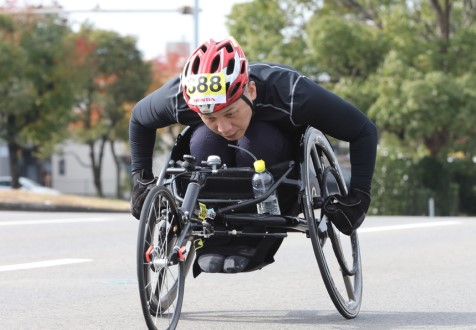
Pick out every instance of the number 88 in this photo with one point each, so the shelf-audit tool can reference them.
(202, 86)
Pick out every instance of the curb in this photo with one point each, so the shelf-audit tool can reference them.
(37, 207)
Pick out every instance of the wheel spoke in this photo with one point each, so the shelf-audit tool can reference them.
(349, 287)
(161, 283)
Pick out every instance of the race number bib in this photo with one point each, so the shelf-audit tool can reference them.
(207, 88)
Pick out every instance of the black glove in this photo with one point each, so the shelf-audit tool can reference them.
(142, 182)
(347, 212)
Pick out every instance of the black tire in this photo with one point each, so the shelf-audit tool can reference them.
(161, 286)
(331, 249)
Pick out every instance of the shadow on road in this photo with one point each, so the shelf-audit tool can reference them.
(365, 320)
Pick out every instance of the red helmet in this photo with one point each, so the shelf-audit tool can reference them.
(214, 76)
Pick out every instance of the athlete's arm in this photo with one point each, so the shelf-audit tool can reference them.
(313, 105)
(156, 110)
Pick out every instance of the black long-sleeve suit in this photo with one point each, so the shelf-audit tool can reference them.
(285, 98)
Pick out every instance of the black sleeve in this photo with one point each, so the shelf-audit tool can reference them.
(157, 110)
(315, 106)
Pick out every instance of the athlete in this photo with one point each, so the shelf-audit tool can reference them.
(258, 107)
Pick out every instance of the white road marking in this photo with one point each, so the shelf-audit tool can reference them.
(409, 226)
(41, 264)
(53, 221)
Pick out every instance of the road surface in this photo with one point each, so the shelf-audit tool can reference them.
(78, 271)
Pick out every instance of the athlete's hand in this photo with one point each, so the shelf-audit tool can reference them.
(347, 212)
(142, 182)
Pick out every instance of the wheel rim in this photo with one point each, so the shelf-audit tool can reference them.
(345, 290)
(161, 284)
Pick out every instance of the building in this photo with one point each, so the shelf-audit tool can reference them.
(4, 165)
(71, 170)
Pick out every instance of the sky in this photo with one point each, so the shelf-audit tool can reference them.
(152, 30)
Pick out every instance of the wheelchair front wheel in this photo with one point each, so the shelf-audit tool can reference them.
(161, 282)
(332, 250)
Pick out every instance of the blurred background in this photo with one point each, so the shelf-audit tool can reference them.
(70, 73)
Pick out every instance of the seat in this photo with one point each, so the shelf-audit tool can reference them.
(216, 190)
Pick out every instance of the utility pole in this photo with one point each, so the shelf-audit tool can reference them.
(195, 20)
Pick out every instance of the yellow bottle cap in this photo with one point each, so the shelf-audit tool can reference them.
(260, 166)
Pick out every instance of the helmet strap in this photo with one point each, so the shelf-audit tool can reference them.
(248, 101)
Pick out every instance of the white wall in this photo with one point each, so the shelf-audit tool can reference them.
(77, 177)
(4, 163)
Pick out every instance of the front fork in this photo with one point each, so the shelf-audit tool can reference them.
(177, 254)
(188, 206)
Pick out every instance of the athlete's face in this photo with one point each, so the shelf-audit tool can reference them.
(233, 121)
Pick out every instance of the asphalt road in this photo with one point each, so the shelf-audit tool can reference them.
(77, 271)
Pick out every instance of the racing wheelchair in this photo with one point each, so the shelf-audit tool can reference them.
(193, 203)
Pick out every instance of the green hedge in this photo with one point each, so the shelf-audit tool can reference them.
(463, 174)
(403, 186)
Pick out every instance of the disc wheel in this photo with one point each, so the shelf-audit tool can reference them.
(333, 251)
(161, 281)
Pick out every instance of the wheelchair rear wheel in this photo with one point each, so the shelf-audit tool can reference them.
(333, 251)
(161, 282)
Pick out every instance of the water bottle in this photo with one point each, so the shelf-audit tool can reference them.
(262, 181)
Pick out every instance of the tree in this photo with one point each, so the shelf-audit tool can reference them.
(35, 84)
(113, 76)
(272, 31)
(409, 64)
(432, 91)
